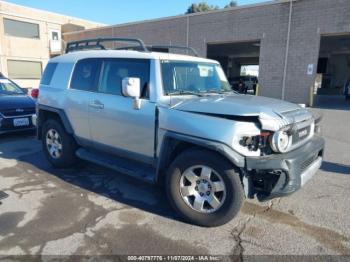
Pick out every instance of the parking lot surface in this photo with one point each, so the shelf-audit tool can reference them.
(90, 210)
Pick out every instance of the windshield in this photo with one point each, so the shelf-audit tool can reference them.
(9, 88)
(181, 77)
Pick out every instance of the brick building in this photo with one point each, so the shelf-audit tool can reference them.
(294, 42)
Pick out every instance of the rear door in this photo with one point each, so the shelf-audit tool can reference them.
(82, 88)
(115, 125)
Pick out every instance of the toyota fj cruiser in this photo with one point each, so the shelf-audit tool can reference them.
(174, 119)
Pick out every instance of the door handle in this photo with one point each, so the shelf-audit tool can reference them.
(97, 105)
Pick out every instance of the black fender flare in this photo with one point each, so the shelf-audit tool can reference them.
(60, 112)
(171, 137)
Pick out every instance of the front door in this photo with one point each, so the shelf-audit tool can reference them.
(115, 125)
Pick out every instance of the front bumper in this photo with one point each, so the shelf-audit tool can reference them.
(295, 167)
(7, 125)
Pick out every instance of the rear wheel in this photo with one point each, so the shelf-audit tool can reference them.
(59, 147)
(204, 188)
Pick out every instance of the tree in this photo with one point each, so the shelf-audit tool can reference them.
(233, 3)
(201, 7)
(205, 7)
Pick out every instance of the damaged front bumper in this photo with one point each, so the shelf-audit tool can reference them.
(282, 174)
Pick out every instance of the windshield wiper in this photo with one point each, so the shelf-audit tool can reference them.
(185, 92)
(216, 91)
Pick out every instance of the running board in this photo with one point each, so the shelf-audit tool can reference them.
(122, 165)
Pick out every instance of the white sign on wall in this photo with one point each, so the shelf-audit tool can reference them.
(310, 69)
(55, 40)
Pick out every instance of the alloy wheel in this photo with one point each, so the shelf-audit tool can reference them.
(202, 189)
(54, 143)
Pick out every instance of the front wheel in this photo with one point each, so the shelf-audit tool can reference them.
(204, 188)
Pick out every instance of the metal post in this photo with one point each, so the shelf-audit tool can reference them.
(287, 50)
(187, 32)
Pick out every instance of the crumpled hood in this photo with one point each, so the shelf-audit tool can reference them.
(273, 113)
(240, 105)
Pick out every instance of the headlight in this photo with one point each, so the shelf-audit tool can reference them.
(258, 143)
(280, 142)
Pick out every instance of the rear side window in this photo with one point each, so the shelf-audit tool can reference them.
(86, 74)
(48, 73)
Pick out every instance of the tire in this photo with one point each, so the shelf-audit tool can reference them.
(221, 170)
(65, 155)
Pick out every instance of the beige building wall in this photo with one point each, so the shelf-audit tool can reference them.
(37, 49)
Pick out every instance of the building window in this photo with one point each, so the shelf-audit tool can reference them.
(21, 29)
(54, 36)
(24, 69)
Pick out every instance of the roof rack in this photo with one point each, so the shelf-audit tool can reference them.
(192, 50)
(159, 48)
(96, 44)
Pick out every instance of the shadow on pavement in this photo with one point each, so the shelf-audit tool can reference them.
(93, 178)
(8, 137)
(336, 168)
(331, 102)
(110, 184)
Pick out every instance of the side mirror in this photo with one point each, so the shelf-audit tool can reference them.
(131, 87)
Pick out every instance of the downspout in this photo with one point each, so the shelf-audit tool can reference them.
(188, 31)
(287, 49)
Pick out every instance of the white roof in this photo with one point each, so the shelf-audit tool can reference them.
(78, 55)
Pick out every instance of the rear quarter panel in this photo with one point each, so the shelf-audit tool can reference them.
(53, 95)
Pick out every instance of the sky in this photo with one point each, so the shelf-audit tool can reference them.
(120, 11)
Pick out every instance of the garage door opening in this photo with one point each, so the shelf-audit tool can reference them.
(240, 61)
(333, 70)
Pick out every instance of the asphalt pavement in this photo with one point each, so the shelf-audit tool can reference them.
(91, 210)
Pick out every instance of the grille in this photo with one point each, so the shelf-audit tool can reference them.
(307, 163)
(301, 134)
(13, 112)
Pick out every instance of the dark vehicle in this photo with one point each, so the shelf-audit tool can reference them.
(16, 108)
(248, 82)
(242, 88)
(347, 89)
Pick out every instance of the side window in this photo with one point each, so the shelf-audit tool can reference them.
(86, 75)
(114, 70)
(48, 73)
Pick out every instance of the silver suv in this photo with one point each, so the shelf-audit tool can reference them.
(174, 119)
